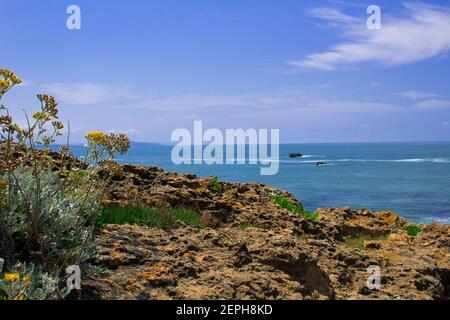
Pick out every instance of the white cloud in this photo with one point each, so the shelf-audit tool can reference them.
(280, 98)
(432, 105)
(275, 102)
(332, 14)
(336, 106)
(417, 95)
(445, 124)
(423, 34)
(88, 93)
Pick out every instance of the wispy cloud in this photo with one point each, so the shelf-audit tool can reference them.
(280, 98)
(417, 95)
(336, 106)
(432, 105)
(275, 102)
(424, 33)
(299, 99)
(88, 93)
(333, 15)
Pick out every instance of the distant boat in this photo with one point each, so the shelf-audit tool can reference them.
(295, 155)
(321, 163)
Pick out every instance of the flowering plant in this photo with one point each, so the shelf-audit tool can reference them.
(48, 200)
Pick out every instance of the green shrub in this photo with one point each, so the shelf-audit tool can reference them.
(152, 217)
(413, 230)
(287, 204)
(215, 185)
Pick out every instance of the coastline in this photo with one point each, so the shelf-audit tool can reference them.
(410, 179)
(251, 248)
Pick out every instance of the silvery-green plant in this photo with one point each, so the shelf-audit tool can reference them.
(61, 233)
(48, 201)
(27, 282)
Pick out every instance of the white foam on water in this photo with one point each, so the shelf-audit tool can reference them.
(416, 160)
(330, 161)
(312, 156)
(443, 220)
(435, 160)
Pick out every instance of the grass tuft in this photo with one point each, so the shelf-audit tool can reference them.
(285, 203)
(152, 217)
(191, 218)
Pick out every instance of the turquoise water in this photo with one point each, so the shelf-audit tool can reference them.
(412, 179)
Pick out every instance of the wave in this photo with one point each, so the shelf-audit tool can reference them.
(304, 161)
(413, 160)
(443, 220)
(312, 156)
(433, 160)
(436, 160)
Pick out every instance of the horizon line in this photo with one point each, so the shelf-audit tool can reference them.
(287, 143)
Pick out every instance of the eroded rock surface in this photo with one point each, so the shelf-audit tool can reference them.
(250, 248)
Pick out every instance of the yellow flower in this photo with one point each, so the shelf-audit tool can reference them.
(4, 83)
(9, 80)
(6, 73)
(16, 79)
(41, 116)
(20, 297)
(97, 138)
(11, 277)
(3, 203)
(26, 280)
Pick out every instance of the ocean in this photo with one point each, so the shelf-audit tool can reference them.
(411, 179)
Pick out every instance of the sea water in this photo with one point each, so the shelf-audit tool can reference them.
(412, 179)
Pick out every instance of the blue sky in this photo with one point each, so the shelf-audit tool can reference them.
(310, 68)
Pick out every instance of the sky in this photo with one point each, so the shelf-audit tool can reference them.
(311, 69)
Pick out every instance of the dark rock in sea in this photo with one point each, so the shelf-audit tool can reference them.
(321, 163)
(295, 155)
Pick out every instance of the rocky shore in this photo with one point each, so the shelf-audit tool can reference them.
(251, 248)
